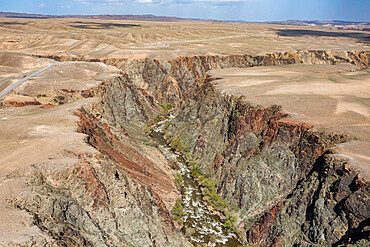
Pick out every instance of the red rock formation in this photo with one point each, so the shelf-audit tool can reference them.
(94, 189)
(259, 231)
(19, 100)
(127, 157)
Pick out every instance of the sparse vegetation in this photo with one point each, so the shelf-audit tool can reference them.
(179, 181)
(177, 145)
(178, 211)
(166, 109)
(159, 118)
(210, 195)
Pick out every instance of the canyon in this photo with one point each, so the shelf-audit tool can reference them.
(83, 165)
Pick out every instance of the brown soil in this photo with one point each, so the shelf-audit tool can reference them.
(135, 39)
(37, 135)
(19, 100)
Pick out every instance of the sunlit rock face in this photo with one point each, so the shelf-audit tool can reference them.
(281, 178)
(267, 167)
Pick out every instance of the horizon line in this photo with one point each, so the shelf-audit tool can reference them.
(184, 18)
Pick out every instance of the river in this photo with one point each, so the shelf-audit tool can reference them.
(200, 225)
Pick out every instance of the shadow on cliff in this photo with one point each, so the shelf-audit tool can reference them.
(98, 25)
(360, 36)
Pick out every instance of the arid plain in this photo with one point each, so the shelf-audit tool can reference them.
(110, 38)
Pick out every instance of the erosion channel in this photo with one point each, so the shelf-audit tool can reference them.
(199, 223)
(243, 167)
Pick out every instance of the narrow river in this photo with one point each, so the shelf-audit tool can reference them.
(200, 225)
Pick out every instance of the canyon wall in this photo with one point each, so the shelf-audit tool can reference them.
(280, 179)
(119, 196)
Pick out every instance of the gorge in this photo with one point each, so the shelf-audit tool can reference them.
(270, 181)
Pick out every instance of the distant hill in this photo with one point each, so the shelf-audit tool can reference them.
(104, 17)
(347, 25)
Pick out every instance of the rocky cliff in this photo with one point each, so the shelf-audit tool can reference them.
(170, 81)
(119, 196)
(280, 179)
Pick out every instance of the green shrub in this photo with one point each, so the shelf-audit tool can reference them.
(178, 211)
(166, 108)
(158, 118)
(179, 181)
(210, 195)
(177, 145)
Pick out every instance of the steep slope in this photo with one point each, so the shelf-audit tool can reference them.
(255, 158)
(76, 195)
(277, 182)
(280, 173)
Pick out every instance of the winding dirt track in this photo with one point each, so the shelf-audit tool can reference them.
(15, 85)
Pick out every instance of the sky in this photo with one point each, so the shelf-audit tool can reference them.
(247, 10)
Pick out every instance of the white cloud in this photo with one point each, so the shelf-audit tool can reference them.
(230, 0)
(157, 2)
(42, 5)
(84, 1)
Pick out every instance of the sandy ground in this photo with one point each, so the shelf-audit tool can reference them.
(64, 75)
(16, 66)
(330, 97)
(110, 38)
(44, 129)
(68, 75)
(33, 136)
(49, 131)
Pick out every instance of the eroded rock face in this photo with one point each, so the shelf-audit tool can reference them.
(120, 197)
(261, 163)
(285, 186)
(19, 100)
(258, 159)
(93, 203)
(169, 81)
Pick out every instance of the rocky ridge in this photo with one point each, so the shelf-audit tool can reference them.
(233, 139)
(89, 198)
(281, 179)
(256, 158)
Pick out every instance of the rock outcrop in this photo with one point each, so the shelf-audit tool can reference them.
(281, 178)
(19, 100)
(121, 196)
(93, 203)
(275, 172)
(169, 81)
(258, 160)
